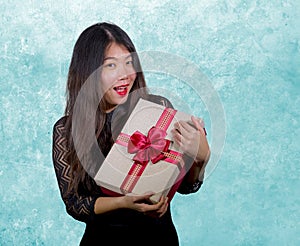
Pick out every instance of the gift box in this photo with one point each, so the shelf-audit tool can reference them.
(144, 158)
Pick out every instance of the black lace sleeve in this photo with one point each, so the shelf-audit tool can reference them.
(80, 207)
(185, 187)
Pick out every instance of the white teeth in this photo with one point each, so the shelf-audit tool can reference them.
(120, 88)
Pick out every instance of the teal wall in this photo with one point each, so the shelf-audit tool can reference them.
(249, 51)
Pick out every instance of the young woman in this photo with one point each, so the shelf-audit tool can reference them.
(119, 83)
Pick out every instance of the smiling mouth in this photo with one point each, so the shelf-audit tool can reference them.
(122, 89)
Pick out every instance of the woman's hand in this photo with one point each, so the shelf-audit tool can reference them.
(191, 138)
(139, 203)
(143, 204)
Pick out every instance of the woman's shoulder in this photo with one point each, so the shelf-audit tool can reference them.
(160, 100)
(60, 123)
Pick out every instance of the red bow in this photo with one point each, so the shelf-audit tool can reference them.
(148, 147)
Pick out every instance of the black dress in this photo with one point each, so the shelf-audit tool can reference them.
(118, 227)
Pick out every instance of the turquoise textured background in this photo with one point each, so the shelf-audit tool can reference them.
(250, 51)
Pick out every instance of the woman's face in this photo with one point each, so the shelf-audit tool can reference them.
(118, 74)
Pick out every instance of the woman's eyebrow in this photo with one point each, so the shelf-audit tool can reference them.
(110, 57)
(116, 58)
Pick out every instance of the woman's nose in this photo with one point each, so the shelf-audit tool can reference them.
(123, 73)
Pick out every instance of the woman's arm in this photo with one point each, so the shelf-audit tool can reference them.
(84, 207)
(196, 147)
(202, 153)
(80, 207)
(138, 203)
(197, 170)
(192, 140)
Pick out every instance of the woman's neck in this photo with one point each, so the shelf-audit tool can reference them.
(110, 110)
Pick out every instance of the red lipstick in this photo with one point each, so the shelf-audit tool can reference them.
(122, 89)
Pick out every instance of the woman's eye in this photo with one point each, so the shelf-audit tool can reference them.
(130, 62)
(110, 65)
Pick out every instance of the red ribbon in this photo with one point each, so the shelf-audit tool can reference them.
(152, 147)
(148, 147)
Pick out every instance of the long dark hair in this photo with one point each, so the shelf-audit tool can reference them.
(87, 59)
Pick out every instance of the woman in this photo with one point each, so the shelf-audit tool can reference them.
(118, 84)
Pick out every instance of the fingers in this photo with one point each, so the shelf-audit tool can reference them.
(142, 198)
(184, 133)
(164, 207)
(198, 122)
(177, 137)
(184, 128)
(190, 136)
(158, 206)
(158, 209)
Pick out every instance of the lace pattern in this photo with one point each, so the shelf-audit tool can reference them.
(80, 207)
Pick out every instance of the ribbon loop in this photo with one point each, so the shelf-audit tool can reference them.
(148, 147)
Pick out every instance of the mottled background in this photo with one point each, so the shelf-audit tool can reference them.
(249, 50)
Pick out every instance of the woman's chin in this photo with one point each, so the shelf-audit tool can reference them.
(119, 101)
